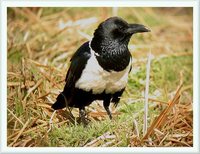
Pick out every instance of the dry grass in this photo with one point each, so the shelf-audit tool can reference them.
(173, 126)
(38, 57)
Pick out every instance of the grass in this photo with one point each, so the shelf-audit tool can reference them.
(38, 59)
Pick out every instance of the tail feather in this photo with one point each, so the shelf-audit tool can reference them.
(60, 102)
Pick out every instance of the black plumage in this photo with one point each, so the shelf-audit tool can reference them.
(99, 68)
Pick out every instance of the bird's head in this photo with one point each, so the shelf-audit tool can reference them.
(116, 29)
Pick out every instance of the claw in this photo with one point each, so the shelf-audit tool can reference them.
(82, 116)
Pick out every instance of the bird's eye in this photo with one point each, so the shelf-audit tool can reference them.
(121, 28)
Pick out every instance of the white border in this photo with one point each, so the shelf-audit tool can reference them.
(196, 74)
(100, 3)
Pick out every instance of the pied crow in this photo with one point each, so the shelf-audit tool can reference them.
(99, 68)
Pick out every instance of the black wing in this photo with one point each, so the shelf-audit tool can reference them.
(78, 63)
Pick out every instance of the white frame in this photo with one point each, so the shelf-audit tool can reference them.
(98, 3)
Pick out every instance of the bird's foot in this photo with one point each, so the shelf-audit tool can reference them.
(84, 120)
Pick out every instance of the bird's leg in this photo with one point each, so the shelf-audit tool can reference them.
(116, 97)
(82, 116)
(106, 104)
(108, 112)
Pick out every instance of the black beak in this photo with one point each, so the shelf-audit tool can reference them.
(137, 28)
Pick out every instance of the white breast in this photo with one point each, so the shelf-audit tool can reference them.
(95, 78)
